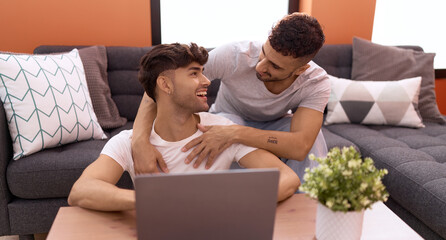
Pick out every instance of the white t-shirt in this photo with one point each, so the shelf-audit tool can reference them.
(119, 148)
(243, 94)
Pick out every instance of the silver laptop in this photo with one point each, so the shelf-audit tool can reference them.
(229, 204)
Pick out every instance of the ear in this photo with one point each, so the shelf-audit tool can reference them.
(164, 84)
(302, 69)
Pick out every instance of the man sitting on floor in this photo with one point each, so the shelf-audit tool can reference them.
(172, 75)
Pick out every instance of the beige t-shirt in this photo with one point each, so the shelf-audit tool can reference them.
(242, 94)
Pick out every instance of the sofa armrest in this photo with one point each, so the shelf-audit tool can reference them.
(5, 156)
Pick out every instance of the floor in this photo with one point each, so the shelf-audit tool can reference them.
(40, 236)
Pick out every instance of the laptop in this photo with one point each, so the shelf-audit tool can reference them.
(228, 204)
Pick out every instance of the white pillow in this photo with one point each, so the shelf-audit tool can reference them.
(374, 102)
(46, 100)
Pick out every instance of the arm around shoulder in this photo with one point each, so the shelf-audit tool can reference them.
(145, 156)
(289, 182)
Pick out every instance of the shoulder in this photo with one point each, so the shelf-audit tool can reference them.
(250, 48)
(119, 146)
(207, 118)
(316, 75)
(315, 71)
(125, 135)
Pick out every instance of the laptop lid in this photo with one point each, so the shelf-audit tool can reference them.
(229, 204)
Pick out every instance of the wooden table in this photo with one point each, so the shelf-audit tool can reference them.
(295, 219)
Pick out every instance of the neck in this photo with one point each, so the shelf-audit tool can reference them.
(173, 126)
(276, 87)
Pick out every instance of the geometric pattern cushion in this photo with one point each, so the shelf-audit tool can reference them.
(377, 103)
(46, 100)
(376, 62)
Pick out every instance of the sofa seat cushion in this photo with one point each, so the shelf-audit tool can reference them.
(334, 140)
(51, 173)
(416, 161)
(417, 182)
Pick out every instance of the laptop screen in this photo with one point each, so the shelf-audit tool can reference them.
(229, 204)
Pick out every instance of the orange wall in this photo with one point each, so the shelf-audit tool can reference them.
(25, 24)
(440, 90)
(342, 19)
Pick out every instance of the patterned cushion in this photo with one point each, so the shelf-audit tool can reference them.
(94, 59)
(372, 102)
(376, 62)
(46, 100)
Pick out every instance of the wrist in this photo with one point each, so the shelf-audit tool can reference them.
(237, 133)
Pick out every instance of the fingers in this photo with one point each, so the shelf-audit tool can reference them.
(194, 153)
(161, 163)
(211, 158)
(192, 144)
(214, 154)
(146, 159)
(145, 168)
(200, 158)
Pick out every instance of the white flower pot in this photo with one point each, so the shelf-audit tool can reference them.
(338, 225)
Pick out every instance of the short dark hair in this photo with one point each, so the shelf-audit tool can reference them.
(166, 57)
(297, 35)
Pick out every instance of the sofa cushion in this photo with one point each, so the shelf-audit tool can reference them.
(336, 59)
(51, 173)
(417, 182)
(383, 63)
(47, 101)
(372, 102)
(123, 65)
(94, 59)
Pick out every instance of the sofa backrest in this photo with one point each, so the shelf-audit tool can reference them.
(123, 65)
(126, 91)
(335, 59)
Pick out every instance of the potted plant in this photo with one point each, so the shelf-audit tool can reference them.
(344, 185)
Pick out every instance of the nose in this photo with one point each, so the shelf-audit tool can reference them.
(205, 81)
(261, 66)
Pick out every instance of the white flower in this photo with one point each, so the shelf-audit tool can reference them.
(347, 173)
(365, 201)
(346, 204)
(354, 163)
(363, 186)
(329, 203)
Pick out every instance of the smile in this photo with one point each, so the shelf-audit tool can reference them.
(202, 93)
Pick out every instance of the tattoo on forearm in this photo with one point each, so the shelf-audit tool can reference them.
(272, 140)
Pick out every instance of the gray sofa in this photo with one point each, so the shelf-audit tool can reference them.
(32, 189)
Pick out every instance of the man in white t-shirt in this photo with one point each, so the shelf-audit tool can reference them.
(260, 84)
(173, 75)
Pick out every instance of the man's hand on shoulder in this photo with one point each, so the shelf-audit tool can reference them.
(146, 157)
(215, 140)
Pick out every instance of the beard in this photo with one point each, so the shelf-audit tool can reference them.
(189, 104)
(269, 78)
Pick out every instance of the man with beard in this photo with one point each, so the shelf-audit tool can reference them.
(172, 74)
(260, 84)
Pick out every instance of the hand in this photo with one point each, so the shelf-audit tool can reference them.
(215, 140)
(146, 157)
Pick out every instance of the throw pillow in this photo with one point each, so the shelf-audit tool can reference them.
(372, 102)
(94, 60)
(383, 63)
(46, 100)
